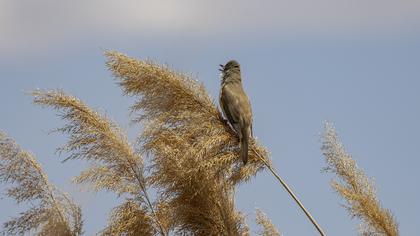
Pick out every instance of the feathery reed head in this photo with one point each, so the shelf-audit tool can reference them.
(95, 138)
(114, 164)
(129, 219)
(194, 152)
(52, 213)
(179, 116)
(268, 228)
(356, 188)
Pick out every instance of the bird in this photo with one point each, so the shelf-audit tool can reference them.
(235, 105)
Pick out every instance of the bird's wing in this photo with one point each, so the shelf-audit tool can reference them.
(228, 103)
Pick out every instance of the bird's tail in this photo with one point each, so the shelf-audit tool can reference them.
(244, 144)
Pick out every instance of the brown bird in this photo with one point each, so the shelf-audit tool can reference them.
(235, 105)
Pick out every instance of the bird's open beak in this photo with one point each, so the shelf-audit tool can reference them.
(222, 67)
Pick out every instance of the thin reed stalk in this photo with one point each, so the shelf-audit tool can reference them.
(292, 194)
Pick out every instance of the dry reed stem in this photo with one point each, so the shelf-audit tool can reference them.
(293, 195)
(114, 164)
(52, 212)
(356, 188)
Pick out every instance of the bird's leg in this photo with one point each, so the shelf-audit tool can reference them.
(225, 121)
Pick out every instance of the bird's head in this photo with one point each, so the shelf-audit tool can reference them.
(231, 66)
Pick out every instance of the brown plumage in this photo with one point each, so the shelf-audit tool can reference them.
(235, 105)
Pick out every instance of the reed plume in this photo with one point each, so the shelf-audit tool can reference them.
(115, 166)
(268, 228)
(174, 106)
(52, 212)
(194, 154)
(129, 219)
(356, 188)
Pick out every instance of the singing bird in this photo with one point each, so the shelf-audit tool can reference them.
(235, 105)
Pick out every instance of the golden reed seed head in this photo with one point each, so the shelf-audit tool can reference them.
(194, 155)
(268, 228)
(356, 188)
(52, 212)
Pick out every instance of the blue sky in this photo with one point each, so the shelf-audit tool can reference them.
(355, 63)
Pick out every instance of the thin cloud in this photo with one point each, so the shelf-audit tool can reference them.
(30, 24)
